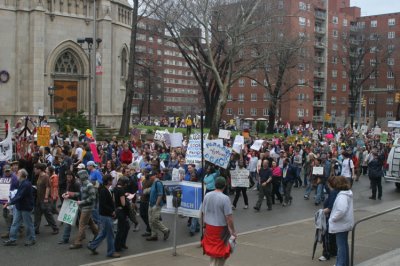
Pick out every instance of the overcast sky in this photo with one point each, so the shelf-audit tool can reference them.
(376, 7)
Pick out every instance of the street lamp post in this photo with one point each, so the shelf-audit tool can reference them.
(50, 92)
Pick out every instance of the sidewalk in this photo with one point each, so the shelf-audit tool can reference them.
(287, 244)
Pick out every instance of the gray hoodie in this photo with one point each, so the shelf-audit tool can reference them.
(342, 215)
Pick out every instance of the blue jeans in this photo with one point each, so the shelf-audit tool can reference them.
(343, 249)
(26, 216)
(194, 225)
(320, 193)
(308, 189)
(106, 232)
(95, 214)
(67, 232)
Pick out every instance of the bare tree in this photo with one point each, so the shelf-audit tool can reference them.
(211, 35)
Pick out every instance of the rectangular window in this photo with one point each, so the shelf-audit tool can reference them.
(301, 97)
(390, 87)
(302, 6)
(391, 34)
(302, 21)
(241, 82)
(300, 112)
(344, 74)
(389, 114)
(335, 20)
(374, 23)
(372, 62)
(390, 74)
(333, 100)
(334, 73)
(254, 97)
(371, 113)
(280, 4)
(333, 113)
(389, 101)
(240, 111)
(334, 60)
(391, 22)
(390, 61)
(301, 66)
(229, 97)
(390, 48)
(253, 111)
(265, 96)
(335, 33)
(241, 97)
(229, 111)
(334, 86)
(265, 112)
(344, 87)
(371, 101)
(345, 23)
(253, 83)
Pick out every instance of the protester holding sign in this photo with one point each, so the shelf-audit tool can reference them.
(23, 202)
(240, 174)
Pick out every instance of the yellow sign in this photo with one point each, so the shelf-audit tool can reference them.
(43, 136)
(327, 117)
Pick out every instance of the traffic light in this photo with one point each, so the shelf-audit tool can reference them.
(363, 102)
(397, 97)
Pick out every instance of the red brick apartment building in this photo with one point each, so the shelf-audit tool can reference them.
(164, 78)
(333, 30)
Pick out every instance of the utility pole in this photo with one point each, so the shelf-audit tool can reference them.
(93, 96)
(359, 109)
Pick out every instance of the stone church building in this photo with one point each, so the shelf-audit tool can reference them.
(39, 49)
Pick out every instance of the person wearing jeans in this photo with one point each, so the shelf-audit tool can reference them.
(23, 201)
(265, 186)
(341, 220)
(107, 212)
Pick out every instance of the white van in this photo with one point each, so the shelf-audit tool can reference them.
(393, 161)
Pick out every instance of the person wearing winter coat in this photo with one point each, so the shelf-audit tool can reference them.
(341, 220)
(375, 174)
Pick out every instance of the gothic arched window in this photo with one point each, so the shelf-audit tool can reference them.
(66, 64)
(124, 62)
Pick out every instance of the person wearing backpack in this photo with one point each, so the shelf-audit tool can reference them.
(156, 202)
(348, 167)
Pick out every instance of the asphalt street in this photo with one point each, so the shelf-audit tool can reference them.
(48, 252)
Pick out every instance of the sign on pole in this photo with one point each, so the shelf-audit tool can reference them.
(238, 144)
(68, 212)
(240, 177)
(43, 136)
(217, 153)
(384, 137)
(224, 134)
(193, 152)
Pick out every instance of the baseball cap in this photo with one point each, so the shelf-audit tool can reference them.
(81, 166)
(7, 168)
(91, 163)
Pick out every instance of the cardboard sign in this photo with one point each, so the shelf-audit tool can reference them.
(215, 152)
(193, 152)
(238, 144)
(6, 149)
(257, 145)
(240, 177)
(175, 174)
(5, 183)
(224, 134)
(384, 137)
(68, 212)
(159, 135)
(176, 139)
(377, 131)
(318, 170)
(43, 136)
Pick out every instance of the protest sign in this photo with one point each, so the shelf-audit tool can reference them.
(215, 152)
(160, 135)
(43, 136)
(377, 131)
(238, 144)
(384, 137)
(257, 145)
(318, 170)
(68, 212)
(175, 139)
(175, 174)
(240, 177)
(5, 183)
(95, 154)
(224, 134)
(6, 149)
(193, 152)
(396, 135)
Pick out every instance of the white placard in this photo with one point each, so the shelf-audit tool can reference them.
(6, 149)
(238, 143)
(215, 152)
(318, 170)
(160, 135)
(175, 174)
(224, 134)
(176, 139)
(257, 145)
(4, 192)
(396, 135)
(170, 205)
(377, 131)
(193, 152)
(68, 212)
(240, 177)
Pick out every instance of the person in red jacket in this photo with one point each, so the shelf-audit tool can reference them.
(126, 155)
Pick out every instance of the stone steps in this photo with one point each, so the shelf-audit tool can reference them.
(104, 132)
(388, 259)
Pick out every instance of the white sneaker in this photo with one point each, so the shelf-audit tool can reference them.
(136, 228)
(233, 207)
(322, 258)
(245, 207)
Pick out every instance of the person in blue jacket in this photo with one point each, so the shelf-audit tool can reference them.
(23, 201)
(209, 179)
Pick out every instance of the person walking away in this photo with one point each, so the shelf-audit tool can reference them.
(276, 182)
(240, 190)
(42, 206)
(289, 175)
(341, 220)
(155, 204)
(107, 213)
(218, 223)
(348, 167)
(375, 173)
(87, 196)
(53, 189)
(329, 248)
(121, 211)
(23, 201)
(365, 161)
(72, 186)
(297, 162)
(265, 174)
(252, 167)
(144, 202)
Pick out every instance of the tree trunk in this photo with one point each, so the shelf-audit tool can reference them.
(217, 114)
(271, 117)
(127, 107)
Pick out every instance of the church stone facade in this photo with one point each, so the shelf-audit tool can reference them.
(39, 48)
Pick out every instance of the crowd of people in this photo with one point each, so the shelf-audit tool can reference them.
(127, 179)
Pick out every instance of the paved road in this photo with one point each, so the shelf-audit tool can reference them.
(48, 252)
